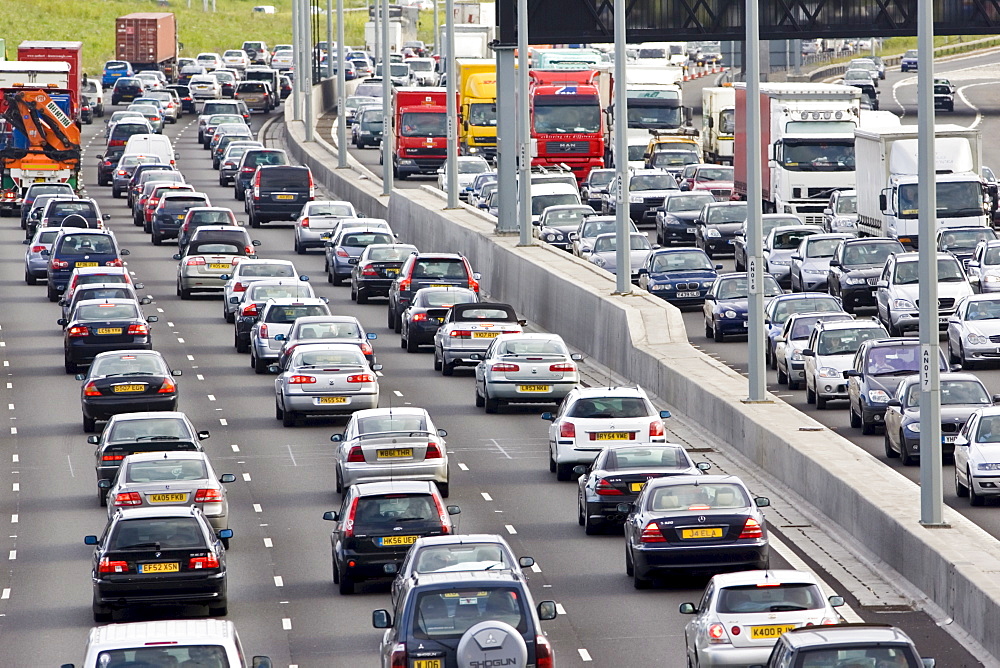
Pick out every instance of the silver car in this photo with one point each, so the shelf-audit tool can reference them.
(247, 272)
(977, 457)
(811, 261)
(277, 317)
(231, 160)
(324, 379)
(86, 291)
(972, 330)
(780, 245)
(210, 256)
(36, 256)
(983, 268)
(310, 329)
(155, 479)
(383, 444)
(525, 368)
(471, 328)
(153, 115)
(318, 218)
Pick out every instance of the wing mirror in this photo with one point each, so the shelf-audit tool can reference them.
(836, 601)
(177, 256)
(762, 501)
(624, 507)
(337, 438)
(549, 417)
(273, 368)
(703, 466)
(852, 373)
(90, 540)
(153, 318)
(225, 533)
(93, 440)
(664, 415)
(687, 609)
(547, 610)
(104, 484)
(476, 356)
(234, 300)
(808, 353)
(331, 516)
(381, 619)
(279, 337)
(895, 403)
(225, 277)
(454, 510)
(204, 434)
(371, 336)
(62, 322)
(526, 562)
(146, 300)
(442, 433)
(576, 357)
(25, 242)
(303, 278)
(579, 470)
(255, 242)
(227, 477)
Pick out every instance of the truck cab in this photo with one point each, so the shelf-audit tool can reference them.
(566, 120)
(420, 127)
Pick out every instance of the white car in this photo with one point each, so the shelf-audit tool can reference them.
(247, 272)
(209, 61)
(93, 89)
(468, 167)
(318, 218)
(792, 341)
(236, 59)
(830, 352)
(741, 615)
(283, 60)
(423, 71)
(977, 457)
(974, 330)
(898, 290)
(590, 418)
(984, 267)
(205, 87)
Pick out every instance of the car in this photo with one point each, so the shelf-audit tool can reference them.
(347, 239)
(618, 474)
(363, 67)
(595, 186)
(848, 645)
(715, 179)
(256, 94)
(879, 65)
(389, 444)
(866, 64)
(646, 190)
(376, 269)
(74, 248)
(284, 86)
(236, 59)
(248, 271)
(59, 209)
(229, 163)
(277, 192)
(34, 190)
(977, 457)
(777, 310)
(983, 267)
(672, 160)
(228, 108)
(201, 216)
(187, 101)
(469, 328)
(86, 291)
(793, 339)
(780, 244)
(525, 368)
(114, 70)
(829, 352)
(962, 241)
(189, 72)
(590, 417)
(681, 276)
(315, 329)
(604, 253)
(810, 266)
(875, 376)
(741, 615)
(170, 213)
(210, 256)
(426, 313)
(971, 330)
(277, 317)
(556, 223)
(124, 169)
(171, 109)
(546, 194)
(126, 89)
(436, 611)
(94, 275)
(36, 261)
(422, 270)
(165, 479)
(144, 172)
(158, 556)
(324, 379)
(898, 291)
(221, 142)
(664, 532)
(582, 240)
(34, 219)
(479, 184)
(149, 200)
(367, 128)
(257, 52)
(675, 217)
(423, 71)
(101, 325)
(352, 102)
(152, 113)
(842, 213)
(283, 60)
(207, 130)
(908, 61)
(468, 168)
(271, 77)
(717, 225)
(855, 268)
(725, 309)
(209, 61)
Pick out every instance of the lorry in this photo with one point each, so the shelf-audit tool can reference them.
(653, 108)
(807, 146)
(419, 125)
(472, 40)
(567, 122)
(887, 183)
(566, 59)
(58, 52)
(42, 144)
(477, 110)
(371, 39)
(718, 123)
(148, 40)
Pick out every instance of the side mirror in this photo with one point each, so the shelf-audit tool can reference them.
(828, 212)
(703, 466)
(836, 601)
(576, 357)
(762, 501)
(62, 321)
(234, 300)
(146, 300)
(579, 470)
(203, 435)
(476, 356)
(331, 516)
(834, 262)
(643, 271)
(79, 376)
(882, 284)
(279, 337)
(454, 510)
(93, 440)
(710, 298)
(390, 569)
(303, 278)
(90, 540)
(153, 318)
(477, 276)
(255, 242)
(796, 256)
(177, 256)
(139, 286)
(664, 415)
(273, 368)
(225, 533)
(227, 477)
(261, 662)
(371, 336)
(526, 562)
(442, 433)
(996, 398)
(852, 373)
(548, 416)
(45, 253)
(896, 403)
(352, 260)
(808, 353)
(927, 663)
(177, 372)
(225, 277)
(381, 619)
(547, 610)
(687, 609)
(104, 484)
(337, 438)
(25, 242)
(624, 507)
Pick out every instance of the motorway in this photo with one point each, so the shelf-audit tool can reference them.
(281, 594)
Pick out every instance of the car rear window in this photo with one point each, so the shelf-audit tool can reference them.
(644, 457)
(85, 244)
(183, 201)
(82, 207)
(103, 293)
(321, 358)
(439, 268)
(47, 236)
(257, 270)
(167, 470)
(610, 407)
(485, 312)
(462, 557)
(251, 87)
(202, 656)
(258, 158)
(703, 496)
(449, 614)
(218, 248)
(212, 218)
(106, 312)
(128, 129)
(362, 239)
(775, 597)
(163, 532)
(380, 424)
(858, 654)
(285, 178)
(532, 347)
(288, 314)
(265, 292)
(163, 429)
(390, 254)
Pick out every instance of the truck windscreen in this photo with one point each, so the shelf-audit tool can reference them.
(417, 124)
(577, 116)
(654, 118)
(482, 114)
(954, 200)
(727, 121)
(818, 156)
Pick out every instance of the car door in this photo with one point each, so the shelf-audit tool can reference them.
(882, 294)
(962, 450)
(894, 415)
(697, 632)
(974, 267)
(481, 367)
(809, 361)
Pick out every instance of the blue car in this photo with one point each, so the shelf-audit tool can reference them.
(79, 247)
(343, 252)
(780, 308)
(725, 306)
(681, 276)
(909, 61)
(114, 70)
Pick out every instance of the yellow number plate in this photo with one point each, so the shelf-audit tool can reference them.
(332, 400)
(128, 388)
(109, 330)
(611, 436)
(485, 335)
(396, 452)
(166, 567)
(441, 285)
(636, 486)
(167, 498)
(427, 663)
(394, 272)
(712, 532)
(392, 541)
(86, 264)
(219, 265)
(284, 197)
(770, 632)
(534, 388)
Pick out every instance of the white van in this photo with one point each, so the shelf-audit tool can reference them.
(203, 642)
(157, 145)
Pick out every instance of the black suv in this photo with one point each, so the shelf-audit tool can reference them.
(435, 611)
(855, 268)
(278, 192)
(126, 89)
(424, 270)
(378, 522)
(249, 163)
(184, 93)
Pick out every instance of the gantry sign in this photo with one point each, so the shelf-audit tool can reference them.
(586, 21)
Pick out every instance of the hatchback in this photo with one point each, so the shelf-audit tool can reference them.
(144, 173)
(207, 129)
(223, 139)
(205, 87)
(247, 168)
(102, 325)
(250, 303)
(124, 169)
(115, 70)
(324, 379)
(36, 263)
(86, 291)
(342, 251)
(201, 216)
(36, 189)
(247, 272)
(830, 352)
(277, 317)
(377, 267)
(423, 270)
(74, 248)
(152, 113)
(316, 219)
(313, 329)
(150, 198)
(209, 258)
(171, 212)
(126, 89)
(230, 161)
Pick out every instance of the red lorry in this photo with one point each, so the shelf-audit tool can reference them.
(419, 123)
(566, 120)
(67, 52)
(148, 40)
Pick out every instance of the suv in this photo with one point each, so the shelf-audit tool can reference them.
(80, 248)
(247, 168)
(278, 193)
(252, 298)
(126, 89)
(171, 212)
(843, 644)
(36, 189)
(829, 353)
(277, 317)
(257, 52)
(378, 522)
(436, 611)
(256, 94)
(123, 130)
(898, 289)
(855, 267)
(422, 270)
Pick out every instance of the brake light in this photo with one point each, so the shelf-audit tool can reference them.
(305, 222)
(116, 142)
(567, 430)
(361, 378)
(752, 529)
(256, 185)
(59, 264)
(128, 499)
(312, 186)
(348, 528)
(90, 389)
(249, 310)
(473, 284)
(138, 329)
(404, 283)
(462, 334)
(605, 488)
(199, 563)
(246, 249)
(342, 253)
(505, 367)
(208, 496)
(398, 657)
(369, 271)
(356, 455)
(543, 653)
(433, 451)
(108, 566)
(717, 634)
(566, 368)
(241, 287)
(79, 330)
(263, 331)
(168, 387)
(442, 514)
(652, 534)
(301, 380)
(122, 172)
(247, 170)
(419, 317)
(656, 428)
(117, 262)
(366, 348)
(37, 249)
(195, 261)
(152, 202)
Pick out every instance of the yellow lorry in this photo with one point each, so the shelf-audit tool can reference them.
(477, 95)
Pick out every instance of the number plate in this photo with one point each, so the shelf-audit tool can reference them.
(109, 330)
(948, 439)
(128, 388)
(683, 295)
(440, 285)
(219, 265)
(180, 216)
(165, 567)
(636, 486)
(691, 230)
(427, 663)
(612, 436)
(86, 264)
(166, 498)
(284, 197)
(331, 400)
(485, 335)
(708, 532)
(393, 541)
(394, 453)
(534, 388)
(393, 272)
(746, 325)
(770, 632)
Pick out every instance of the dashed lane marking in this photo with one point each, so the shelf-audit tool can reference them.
(235, 447)
(246, 477)
(510, 529)
(463, 466)
(278, 581)
(268, 542)
(584, 654)
(286, 624)
(486, 496)
(257, 508)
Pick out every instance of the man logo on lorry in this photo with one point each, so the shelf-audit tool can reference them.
(566, 90)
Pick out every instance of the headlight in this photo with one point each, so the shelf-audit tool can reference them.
(828, 372)
(636, 199)
(815, 272)
(914, 427)
(730, 315)
(471, 150)
(549, 237)
(977, 339)
(988, 466)
(878, 396)
(712, 232)
(706, 284)
(780, 263)
(902, 303)
(797, 356)
(661, 287)
(855, 281)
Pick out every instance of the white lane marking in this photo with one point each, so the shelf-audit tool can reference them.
(379, 373)
(15, 487)
(169, 324)
(6, 363)
(159, 310)
(961, 94)
(257, 508)
(268, 542)
(190, 357)
(10, 407)
(13, 431)
(180, 340)
(211, 397)
(504, 452)
(235, 447)
(286, 624)
(69, 461)
(223, 422)
(246, 477)
(17, 458)
(10, 386)
(798, 564)
(397, 393)
(510, 529)
(6, 593)
(486, 496)
(560, 609)
(463, 466)
(278, 581)
(13, 518)
(199, 376)
(291, 455)
(13, 555)
(536, 568)
(584, 654)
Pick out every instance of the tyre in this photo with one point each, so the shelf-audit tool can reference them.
(278, 413)
(867, 428)
(564, 471)
(230, 316)
(855, 418)
(69, 366)
(640, 582)
(242, 346)
(590, 527)
(810, 395)
(29, 279)
(782, 377)
(183, 292)
(259, 366)
(444, 488)
(102, 614)
(974, 498)
(629, 568)
(389, 315)
(52, 294)
(338, 483)
(337, 280)
(448, 369)
(254, 221)
(960, 489)
(492, 405)
(288, 419)
(820, 403)
(717, 335)
(218, 610)
(480, 402)
(102, 498)
(402, 340)
(299, 248)
(362, 296)
(580, 514)
(411, 345)
(346, 585)
(89, 424)
(793, 384)
(225, 544)
(904, 454)
(952, 357)
(709, 334)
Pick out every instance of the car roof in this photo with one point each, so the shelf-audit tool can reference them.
(792, 296)
(175, 631)
(293, 301)
(848, 324)
(206, 230)
(326, 318)
(166, 454)
(808, 636)
(785, 576)
(145, 415)
(465, 578)
(616, 391)
(392, 486)
(84, 271)
(439, 256)
(261, 260)
(396, 410)
(688, 479)
(159, 511)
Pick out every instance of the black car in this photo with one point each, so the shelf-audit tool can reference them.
(376, 269)
(130, 433)
(377, 523)
(126, 381)
(124, 168)
(855, 268)
(171, 211)
(126, 89)
(426, 313)
(36, 189)
(101, 325)
(159, 556)
(675, 219)
(256, 295)
(80, 248)
(249, 163)
(694, 523)
(424, 270)
(717, 225)
(184, 93)
(278, 192)
(107, 164)
(86, 110)
(136, 182)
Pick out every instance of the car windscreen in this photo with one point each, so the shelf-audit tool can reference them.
(164, 532)
(736, 288)
(822, 247)
(714, 174)
(97, 312)
(540, 203)
(609, 243)
(786, 307)
(953, 393)
(727, 214)
(449, 614)
(652, 182)
(609, 408)
(166, 470)
(870, 253)
(803, 325)
(646, 457)
(288, 314)
(682, 203)
(953, 240)
(776, 597)
(702, 496)
(789, 239)
(682, 261)
(202, 656)
(846, 341)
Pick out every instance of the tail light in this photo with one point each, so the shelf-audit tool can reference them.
(108, 566)
(369, 271)
(348, 528)
(752, 529)
(505, 367)
(263, 331)
(59, 264)
(565, 368)
(404, 283)
(37, 249)
(90, 389)
(464, 334)
(247, 170)
(567, 430)
(366, 348)
(117, 262)
(197, 260)
(250, 310)
(112, 458)
(656, 428)
(241, 287)
(168, 387)
(605, 488)
(717, 634)
(442, 514)
(79, 330)
(543, 653)
(199, 563)
(128, 499)
(356, 456)
(398, 657)
(208, 496)
(246, 249)
(152, 202)
(473, 284)
(139, 329)
(342, 253)
(256, 185)
(116, 142)
(301, 380)
(419, 317)
(312, 186)
(652, 534)
(122, 172)
(361, 378)
(433, 451)
(305, 222)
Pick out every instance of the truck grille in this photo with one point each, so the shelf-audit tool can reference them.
(945, 304)
(567, 147)
(721, 193)
(437, 152)
(484, 140)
